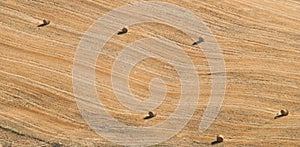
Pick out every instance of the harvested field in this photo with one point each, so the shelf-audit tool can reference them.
(260, 42)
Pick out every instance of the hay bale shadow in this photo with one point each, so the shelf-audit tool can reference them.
(41, 25)
(279, 116)
(215, 142)
(121, 33)
(199, 41)
(148, 117)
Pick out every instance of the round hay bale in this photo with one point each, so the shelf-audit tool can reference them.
(151, 114)
(124, 30)
(284, 112)
(46, 21)
(220, 138)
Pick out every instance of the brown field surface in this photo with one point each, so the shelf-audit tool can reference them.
(260, 41)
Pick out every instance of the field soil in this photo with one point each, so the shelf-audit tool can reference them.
(260, 42)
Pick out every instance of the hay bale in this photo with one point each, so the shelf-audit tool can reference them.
(220, 138)
(284, 112)
(46, 22)
(151, 114)
(124, 30)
